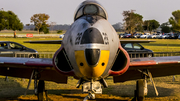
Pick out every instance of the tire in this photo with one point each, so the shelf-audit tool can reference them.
(141, 89)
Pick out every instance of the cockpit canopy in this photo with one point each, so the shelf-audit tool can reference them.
(90, 7)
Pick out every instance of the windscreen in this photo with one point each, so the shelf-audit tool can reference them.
(90, 9)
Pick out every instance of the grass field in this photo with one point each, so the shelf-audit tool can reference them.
(168, 90)
(14, 89)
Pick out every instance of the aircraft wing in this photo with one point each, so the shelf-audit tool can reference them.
(60, 41)
(158, 66)
(45, 42)
(23, 67)
(136, 41)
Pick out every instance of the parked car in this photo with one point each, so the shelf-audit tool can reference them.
(165, 36)
(158, 35)
(173, 35)
(152, 36)
(121, 35)
(179, 37)
(155, 36)
(8, 49)
(145, 35)
(136, 50)
(61, 36)
(137, 35)
(127, 36)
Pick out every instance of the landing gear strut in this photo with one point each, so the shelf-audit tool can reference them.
(91, 95)
(141, 86)
(141, 90)
(92, 88)
(39, 89)
(42, 93)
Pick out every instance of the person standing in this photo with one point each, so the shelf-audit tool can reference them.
(14, 34)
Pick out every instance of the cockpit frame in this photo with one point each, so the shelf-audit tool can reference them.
(81, 10)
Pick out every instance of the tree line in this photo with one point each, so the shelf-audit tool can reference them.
(132, 22)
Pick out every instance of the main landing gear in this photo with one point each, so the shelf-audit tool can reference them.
(39, 89)
(141, 86)
(42, 93)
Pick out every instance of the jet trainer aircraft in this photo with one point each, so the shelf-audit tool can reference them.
(90, 52)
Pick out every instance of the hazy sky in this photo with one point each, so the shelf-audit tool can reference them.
(62, 11)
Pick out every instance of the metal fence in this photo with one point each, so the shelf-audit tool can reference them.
(154, 54)
(34, 55)
(27, 54)
(163, 54)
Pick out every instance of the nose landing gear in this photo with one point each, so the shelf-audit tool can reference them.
(91, 95)
(91, 87)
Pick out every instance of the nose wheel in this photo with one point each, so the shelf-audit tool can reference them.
(92, 88)
(90, 96)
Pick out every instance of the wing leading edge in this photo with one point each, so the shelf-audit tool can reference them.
(136, 41)
(60, 41)
(45, 42)
(23, 67)
(158, 66)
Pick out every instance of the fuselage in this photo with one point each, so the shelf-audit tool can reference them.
(91, 43)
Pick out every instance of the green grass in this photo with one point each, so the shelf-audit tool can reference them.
(163, 45)
(16, 87)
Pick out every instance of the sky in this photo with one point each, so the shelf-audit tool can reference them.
(62, 11)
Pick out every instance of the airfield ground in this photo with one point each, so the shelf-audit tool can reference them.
(168, 90)
(14, 89)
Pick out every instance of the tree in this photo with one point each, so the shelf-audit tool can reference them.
(139, 28)
(44, 28)
(151, 25)
(118, 27)
(132, 20)
(59, 31)
(165, 27)
(10, 21)
(175, 20)
(39, 20)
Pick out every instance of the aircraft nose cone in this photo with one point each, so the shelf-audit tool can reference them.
(92, 56)
(92, 35)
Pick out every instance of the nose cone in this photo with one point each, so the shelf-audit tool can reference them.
(92, 35)
(92, 56)
(97, 66)
(91, 60)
